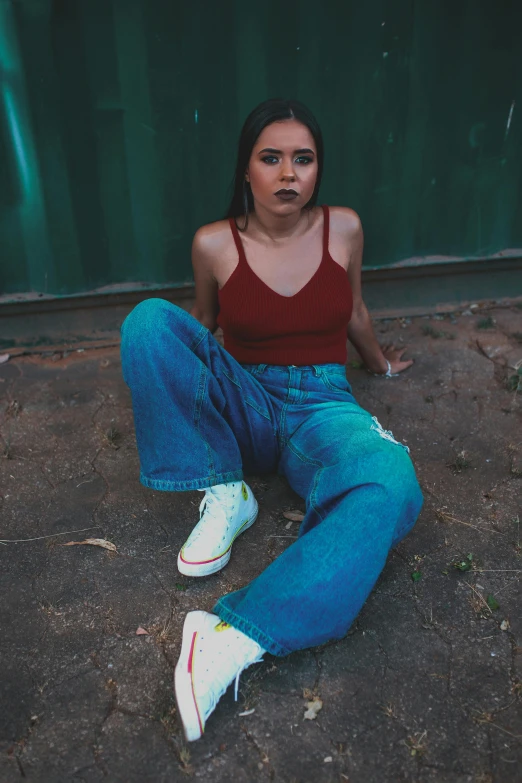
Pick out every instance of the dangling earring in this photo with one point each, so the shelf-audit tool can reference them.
(245, 203)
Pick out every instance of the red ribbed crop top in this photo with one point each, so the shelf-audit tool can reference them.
(261, 326)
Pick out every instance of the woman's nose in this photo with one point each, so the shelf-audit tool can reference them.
(287, 172)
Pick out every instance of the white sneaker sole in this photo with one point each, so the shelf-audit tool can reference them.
(193, 724)
(216, 564)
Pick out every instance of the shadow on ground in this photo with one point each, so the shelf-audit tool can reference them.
(427, 686)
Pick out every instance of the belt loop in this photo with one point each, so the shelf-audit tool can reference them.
(317, 371)
(261, 368)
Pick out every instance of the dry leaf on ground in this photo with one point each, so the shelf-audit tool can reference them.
(142, 632)
(294, 516)
(94, 542)
(313, 707)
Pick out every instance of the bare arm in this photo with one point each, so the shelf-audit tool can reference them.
(206, 306)
(360, 328)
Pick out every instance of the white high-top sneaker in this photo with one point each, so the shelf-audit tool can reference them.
(213, 654)
(225, 512)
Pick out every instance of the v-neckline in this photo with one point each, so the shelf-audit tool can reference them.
(282, 296)
(243, 258)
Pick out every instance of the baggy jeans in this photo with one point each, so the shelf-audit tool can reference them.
(202, 418)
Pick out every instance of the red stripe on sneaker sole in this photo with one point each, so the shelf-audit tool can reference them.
(213, 559)
(204, 562)
(190, 667)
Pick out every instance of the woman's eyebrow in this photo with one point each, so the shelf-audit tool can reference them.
(280, 152)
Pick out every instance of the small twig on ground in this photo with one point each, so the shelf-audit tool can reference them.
(481, 598)
(282, 536)
(445, 517)
(487, 719)
(498, 570)
(39, 538)
(517, 736)
(507, 586)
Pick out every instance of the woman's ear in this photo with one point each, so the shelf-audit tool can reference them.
(247, 176)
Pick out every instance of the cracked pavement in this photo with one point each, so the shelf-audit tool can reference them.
(426, 686)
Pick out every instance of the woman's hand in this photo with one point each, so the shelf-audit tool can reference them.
(394, 356)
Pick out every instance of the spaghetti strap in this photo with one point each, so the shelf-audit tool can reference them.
(326, 229)
(237, 240)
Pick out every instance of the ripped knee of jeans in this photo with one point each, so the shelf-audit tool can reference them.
(386, 434)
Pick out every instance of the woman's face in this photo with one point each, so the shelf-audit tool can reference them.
(284, 158)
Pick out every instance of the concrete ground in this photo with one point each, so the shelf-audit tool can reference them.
(427, 685)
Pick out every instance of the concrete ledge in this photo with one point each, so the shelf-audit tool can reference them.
(36, 323)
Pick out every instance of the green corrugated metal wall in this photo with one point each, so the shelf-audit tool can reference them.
(119, 120)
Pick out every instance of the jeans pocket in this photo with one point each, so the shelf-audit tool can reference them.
(254, 369)
(335, 381)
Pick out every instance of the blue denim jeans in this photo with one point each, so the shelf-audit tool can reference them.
(202, 419)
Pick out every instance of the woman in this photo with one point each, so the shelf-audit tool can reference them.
(282, 277)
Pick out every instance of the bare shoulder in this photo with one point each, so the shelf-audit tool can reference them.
(214, 253)
(212, 239)
(345, 222)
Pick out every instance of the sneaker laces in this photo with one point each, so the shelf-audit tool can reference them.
(259, 659)
(211, 508)
(254, 656)
(221, 685)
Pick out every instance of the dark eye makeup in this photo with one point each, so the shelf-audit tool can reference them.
(271, 159)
